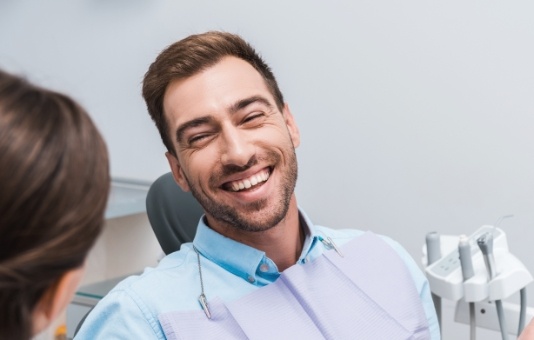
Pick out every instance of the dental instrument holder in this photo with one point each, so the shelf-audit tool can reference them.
(446, 279)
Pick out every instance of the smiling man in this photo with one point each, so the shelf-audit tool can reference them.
(257, 260)
(234, 149)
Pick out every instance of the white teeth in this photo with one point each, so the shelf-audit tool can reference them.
(254, 180)
(251, 181)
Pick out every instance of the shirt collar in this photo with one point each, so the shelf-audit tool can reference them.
(244, 261)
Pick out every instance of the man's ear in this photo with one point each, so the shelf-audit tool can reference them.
(291, 126)
(56, 298)
(177, 172)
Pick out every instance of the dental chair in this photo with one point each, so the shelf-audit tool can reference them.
(173, 213)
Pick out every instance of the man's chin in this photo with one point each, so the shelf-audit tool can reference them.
(253, 228)
(256, 216)
(258, 220)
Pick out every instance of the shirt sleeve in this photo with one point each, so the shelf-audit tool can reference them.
(422, 286)
(119, 315)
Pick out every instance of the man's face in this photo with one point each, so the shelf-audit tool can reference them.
(235, 150)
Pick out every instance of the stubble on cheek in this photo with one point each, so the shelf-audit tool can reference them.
(254, 216)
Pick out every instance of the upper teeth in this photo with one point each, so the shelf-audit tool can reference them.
(251, 181)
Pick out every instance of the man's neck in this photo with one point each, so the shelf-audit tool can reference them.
(281, 243)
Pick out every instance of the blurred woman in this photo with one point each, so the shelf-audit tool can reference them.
(54, 183)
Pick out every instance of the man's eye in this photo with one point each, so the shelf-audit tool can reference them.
(252, 117)
(197, 138)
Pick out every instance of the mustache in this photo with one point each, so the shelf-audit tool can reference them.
(231, 169)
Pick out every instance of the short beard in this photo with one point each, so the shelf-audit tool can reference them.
(268, 219)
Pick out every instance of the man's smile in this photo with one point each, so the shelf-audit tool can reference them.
(248, 182)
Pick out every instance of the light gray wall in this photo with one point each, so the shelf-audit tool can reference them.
(415, 116)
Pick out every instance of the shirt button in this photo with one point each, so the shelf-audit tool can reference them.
(264, 267)
(251, 279)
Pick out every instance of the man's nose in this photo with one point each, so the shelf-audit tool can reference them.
(237, 149)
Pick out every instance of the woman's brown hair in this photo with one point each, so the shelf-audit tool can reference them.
(54, 184)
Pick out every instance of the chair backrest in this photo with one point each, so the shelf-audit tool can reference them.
(173, 213)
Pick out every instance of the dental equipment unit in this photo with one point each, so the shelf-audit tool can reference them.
(476, 271)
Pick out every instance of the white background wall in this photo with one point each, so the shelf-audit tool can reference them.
(415, 116)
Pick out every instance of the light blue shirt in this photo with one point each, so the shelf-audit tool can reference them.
(230, 270)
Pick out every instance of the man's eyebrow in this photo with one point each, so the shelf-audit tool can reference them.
(191, 124)
(241, 104)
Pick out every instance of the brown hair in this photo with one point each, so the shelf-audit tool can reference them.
(190, 56)
(54, 183)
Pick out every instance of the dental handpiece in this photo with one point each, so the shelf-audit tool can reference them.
(485, 243)
(433, 252)
(433, 247)
(466, 262)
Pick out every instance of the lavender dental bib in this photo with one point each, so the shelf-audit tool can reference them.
(366, 294)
